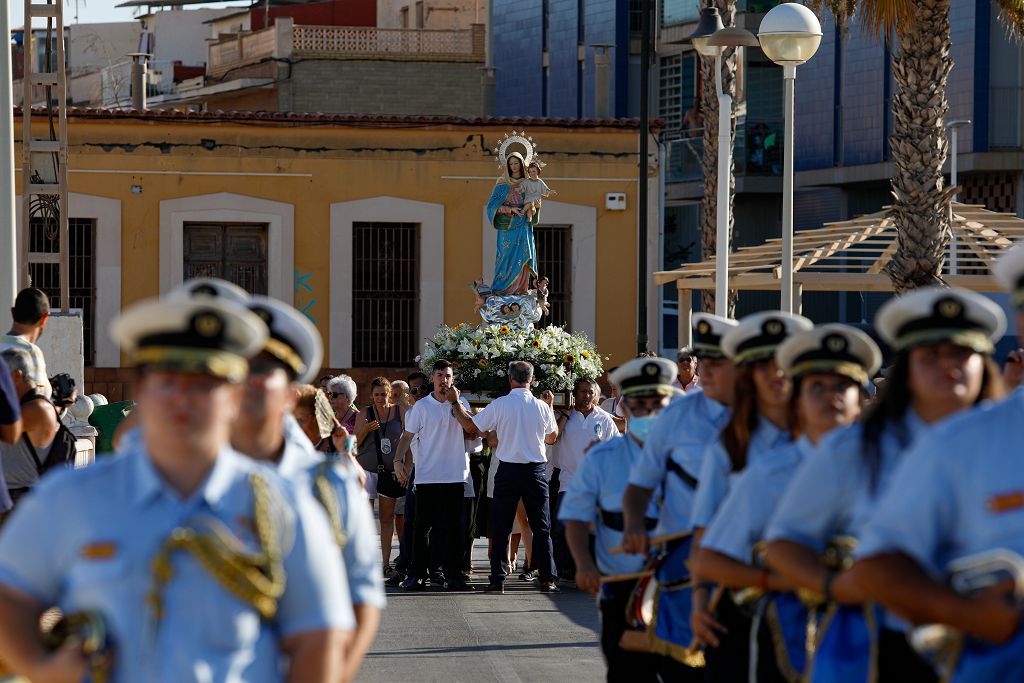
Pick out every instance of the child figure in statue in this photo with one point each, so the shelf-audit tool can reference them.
(534, 189)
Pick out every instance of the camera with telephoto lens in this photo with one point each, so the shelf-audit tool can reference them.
(64, 391)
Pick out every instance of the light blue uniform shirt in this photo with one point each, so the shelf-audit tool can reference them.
(362, 559)
(104, 524)
(742, 517)
(599, 484)
(830, 494)
(716, 475)
(959, 491)
(681, 434)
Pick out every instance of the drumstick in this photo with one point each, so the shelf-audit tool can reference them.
(712, 606)
(655, 540)
(626, 577)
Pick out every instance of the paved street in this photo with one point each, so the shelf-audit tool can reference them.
(522, 635)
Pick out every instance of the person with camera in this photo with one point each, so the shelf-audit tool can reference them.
(378, 429)
(523, 425)
(23, 460)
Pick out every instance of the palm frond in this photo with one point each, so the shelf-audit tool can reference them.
(1011, 14)
(880, 17)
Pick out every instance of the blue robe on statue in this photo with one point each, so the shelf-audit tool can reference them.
(516, 247)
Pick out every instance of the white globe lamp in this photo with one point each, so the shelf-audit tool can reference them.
(790, 34)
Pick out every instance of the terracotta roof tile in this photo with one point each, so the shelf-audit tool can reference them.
(375, 120)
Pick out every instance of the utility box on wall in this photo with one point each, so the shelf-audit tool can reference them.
(615, 201)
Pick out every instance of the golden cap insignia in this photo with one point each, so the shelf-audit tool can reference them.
(773, 327)
(835, 343)
(208, 325)
(950, 308)
(703, 327)
(651, 369)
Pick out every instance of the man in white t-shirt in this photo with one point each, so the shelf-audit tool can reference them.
(579, 428)
(442, 467)
(30, 313)
(523, 425)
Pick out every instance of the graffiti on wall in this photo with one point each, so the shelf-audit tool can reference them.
(304, 295)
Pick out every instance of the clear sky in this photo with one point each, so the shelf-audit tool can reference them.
(95, 11)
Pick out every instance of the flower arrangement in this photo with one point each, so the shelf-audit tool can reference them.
(481, 355)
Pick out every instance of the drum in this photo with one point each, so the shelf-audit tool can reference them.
(640, 612)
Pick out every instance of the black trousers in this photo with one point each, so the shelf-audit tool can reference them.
(439, 515)
(478, 471)
(564, 563)
(897, 660)
(512, 482)
(730, 661)
(623, 666)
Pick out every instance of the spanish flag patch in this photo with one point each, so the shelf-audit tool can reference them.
(1005, 502)
(99, 550)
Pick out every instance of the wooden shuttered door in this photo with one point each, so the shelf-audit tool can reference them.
(236, 252)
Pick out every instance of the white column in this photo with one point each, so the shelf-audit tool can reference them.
(8, 242)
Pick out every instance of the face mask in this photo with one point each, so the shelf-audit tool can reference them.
(640, 427)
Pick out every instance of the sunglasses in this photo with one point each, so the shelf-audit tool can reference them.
(334, 394)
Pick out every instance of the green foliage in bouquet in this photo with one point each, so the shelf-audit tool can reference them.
(481, 356)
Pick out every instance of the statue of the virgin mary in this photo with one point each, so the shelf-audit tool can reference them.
(516, 258)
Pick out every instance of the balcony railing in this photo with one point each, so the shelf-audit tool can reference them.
(758, 152)
(287, 40)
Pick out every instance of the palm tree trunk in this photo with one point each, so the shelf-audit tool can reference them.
(709, 162)
(921, 68)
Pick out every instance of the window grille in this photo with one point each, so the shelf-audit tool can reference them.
(554, 252)
(43, 239)
(385, 294)
(236, 252)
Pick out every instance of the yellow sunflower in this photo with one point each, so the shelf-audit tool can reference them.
(504, 329)
(569, 359)
(535, 343)
(585, 354)
(483, 363)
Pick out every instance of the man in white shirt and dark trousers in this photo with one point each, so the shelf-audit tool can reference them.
(580, 427)
(442, 467)
(522, 424)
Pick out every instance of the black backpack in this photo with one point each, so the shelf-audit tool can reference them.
(62, 450)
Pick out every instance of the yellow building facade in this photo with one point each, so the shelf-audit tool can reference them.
(316, 187)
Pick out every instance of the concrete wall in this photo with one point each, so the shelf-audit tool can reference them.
(181, 35)
(94, 46)
(437, 14)
(382, 87)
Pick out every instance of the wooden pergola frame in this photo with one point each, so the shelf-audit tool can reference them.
(849, 256)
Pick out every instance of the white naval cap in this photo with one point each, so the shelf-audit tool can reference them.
(941, 314)
(708, 331)
(645, 376)
(293, 338)
(1010, 271)
(211, 287)
(209, 336)
(832, 348)
(757, 336)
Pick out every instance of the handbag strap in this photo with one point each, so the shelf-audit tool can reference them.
(372, 412)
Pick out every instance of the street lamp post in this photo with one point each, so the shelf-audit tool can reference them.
(954, 127)
(790, 35)
(710, 39)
